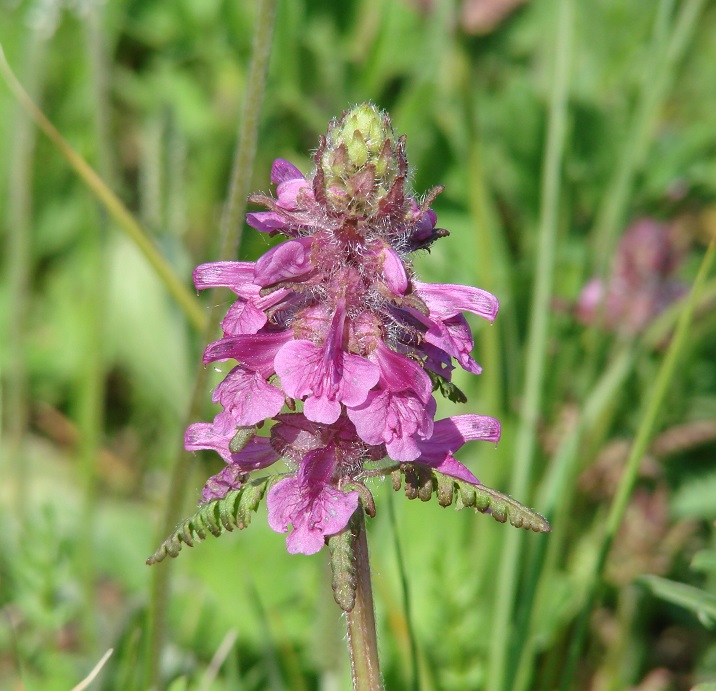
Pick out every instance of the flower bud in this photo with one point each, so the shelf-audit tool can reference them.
(360, 161)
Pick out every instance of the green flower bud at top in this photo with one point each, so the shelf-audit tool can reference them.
(359, 161)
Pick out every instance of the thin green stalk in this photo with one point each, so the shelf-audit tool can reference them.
(660, 65)
(490, 267)
(18, 266)
(654, 401)
(415, 682)
(116, 209)
(503, 636)
(362, 638)
(232, 221)
(92, 388)
(231, 234)
(554, 499)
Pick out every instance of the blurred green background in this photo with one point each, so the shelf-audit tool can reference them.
(98, 360)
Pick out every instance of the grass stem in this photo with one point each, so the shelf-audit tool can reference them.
(503, 636)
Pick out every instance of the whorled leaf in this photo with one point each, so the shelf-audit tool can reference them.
(343, 569)
(447, 388)
(422, 481)
(232, 511)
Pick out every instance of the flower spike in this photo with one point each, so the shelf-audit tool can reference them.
(333, 327)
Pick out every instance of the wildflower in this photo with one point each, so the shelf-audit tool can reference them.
(641, 285)
(333, 325)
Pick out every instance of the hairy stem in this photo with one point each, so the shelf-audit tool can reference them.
(362, 639)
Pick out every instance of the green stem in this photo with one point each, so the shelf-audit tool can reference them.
(654, 402)
(18, 267)
(92, 392)
(362, 638)
(503, 637)
(232, 221)
(116, 209)
(659, 72)
(231, 232)
(414, 666)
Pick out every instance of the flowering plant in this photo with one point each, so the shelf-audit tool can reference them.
(339, 348)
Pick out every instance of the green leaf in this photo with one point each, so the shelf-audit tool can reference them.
(344, 581)
(422, 481)
(698, 601)
(704, 561)
(447, 389)
(232, 511)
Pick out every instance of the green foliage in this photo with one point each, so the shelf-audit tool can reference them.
(421, 482)
(696, 600)
(232, 511)
(344, 581)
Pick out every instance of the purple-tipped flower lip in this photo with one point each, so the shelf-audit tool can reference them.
(288, 261)
(309, 503)
(326, 375)
(234, 275)
(446, 300)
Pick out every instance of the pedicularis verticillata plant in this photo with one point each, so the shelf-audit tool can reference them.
(339, 348)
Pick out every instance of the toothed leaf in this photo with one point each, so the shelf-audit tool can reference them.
(232, 511)
(421, 481)
(344, 582)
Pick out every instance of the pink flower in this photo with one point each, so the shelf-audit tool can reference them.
(310, 503)
(333, 324)
(641, 285)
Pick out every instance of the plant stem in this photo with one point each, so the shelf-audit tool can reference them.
(116, 209)
(503, 637)
(362, 638)
(647, 427)
(18, 265)
(231, 234)
(407, 606)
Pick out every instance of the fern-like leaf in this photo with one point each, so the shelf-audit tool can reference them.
(422, 481)
(343, 569)
(232, 511)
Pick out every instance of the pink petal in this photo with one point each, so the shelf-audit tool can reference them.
(234, 275)
(243, 318)
(287, 261)
(394, 419)
(322, 409)
(394, 271)
(254, 351)
(248, 397)
(310, 504)
(283, 170)
(452, 433)
(266, 221)
(400, 373)
(288, 192)
(331, 379)
(454, 337)
(216, 436)
(450, 466)
(447, 300)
